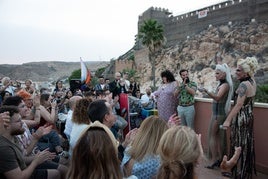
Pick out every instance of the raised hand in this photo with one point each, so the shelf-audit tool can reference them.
(54, 103)
(5, 119)
(130, 137)
(36, 101)
(174, 120)
(227, 165)
(198, 136)
(43, 130)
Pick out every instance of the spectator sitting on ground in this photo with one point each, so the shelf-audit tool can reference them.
(120, 122)
(80, 121)
(141, 158)
(7, 86)
(94, 155)
(100, 110)
(12, 163)
(50, 140)
(32, 102)
(69, 123)
(28, 86)
(180, 151)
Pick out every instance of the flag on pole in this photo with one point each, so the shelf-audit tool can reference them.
(85, 73)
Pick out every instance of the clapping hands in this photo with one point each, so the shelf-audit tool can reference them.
(174, 120)
(43, 130)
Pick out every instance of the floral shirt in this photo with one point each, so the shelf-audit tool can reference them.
(185, 98)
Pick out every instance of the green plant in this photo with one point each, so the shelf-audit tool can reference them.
(99, 72)
(94, 81)
(76, 74)
(262, 94)
(131, 72)
(151, 35)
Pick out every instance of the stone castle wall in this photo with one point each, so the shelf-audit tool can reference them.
(184, 26)
(123, 64)
(180, 27)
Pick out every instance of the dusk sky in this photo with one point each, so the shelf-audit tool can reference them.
(65, 30)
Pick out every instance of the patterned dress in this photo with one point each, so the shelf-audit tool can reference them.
(145, 169)
(242, 135)
(166, 101)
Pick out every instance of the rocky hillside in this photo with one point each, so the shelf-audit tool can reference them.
(198, 53)
(46, 71)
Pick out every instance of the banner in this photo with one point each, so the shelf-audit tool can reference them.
(202, 13)
(85, 73)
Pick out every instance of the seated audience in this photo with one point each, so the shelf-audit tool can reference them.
(12, 163)
(68, 122)
(28, 86)
(80, 121)
(180, 151)
(141, 158)
(95, 154)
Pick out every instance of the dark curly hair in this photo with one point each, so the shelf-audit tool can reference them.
(80, 115)
(170, 77)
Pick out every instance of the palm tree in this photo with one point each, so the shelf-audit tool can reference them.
(151, 35)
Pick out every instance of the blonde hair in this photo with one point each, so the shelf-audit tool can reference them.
(249, 65)
(179, 151)
(147, 138)
(5, 80)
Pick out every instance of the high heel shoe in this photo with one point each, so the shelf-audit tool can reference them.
(217, 163)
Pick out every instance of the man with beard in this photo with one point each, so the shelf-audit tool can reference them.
(28, 141)
(12, 163)
(185, 92)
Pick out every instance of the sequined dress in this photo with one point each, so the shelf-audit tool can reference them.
(242, 135)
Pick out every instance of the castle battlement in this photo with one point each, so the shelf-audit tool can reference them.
(177, 28)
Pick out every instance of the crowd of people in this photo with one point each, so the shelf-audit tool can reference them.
(96, 143)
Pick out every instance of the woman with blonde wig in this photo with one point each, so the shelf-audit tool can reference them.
(241, 118)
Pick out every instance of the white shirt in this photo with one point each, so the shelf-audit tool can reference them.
(145, 98)
(127, 84)
(77, 130)
(68, 124)
(11, 90)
